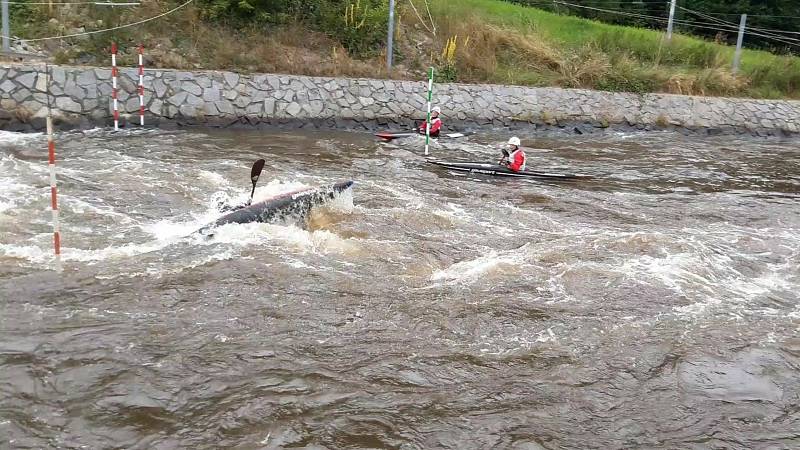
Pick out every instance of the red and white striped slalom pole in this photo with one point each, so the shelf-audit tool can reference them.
(51, 162)
(51, 147)
(114, 84)
(141, 85)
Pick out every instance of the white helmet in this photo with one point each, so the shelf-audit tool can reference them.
(436, 109)
(514, 141)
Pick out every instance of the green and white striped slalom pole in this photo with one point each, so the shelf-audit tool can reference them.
(428, 121)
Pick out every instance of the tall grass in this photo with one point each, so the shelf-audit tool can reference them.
(636, 59)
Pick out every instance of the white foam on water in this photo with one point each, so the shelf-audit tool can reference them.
(298, 264)
(341, 203)
(411, 197)
(213, 178)
(676, 271)
(289, 235)
(30, 253)
(520, 339)
(110, 252)
(167, 232)
(13, 194)
(304, 241)
(14, 138)
(762, 285)
(492, 264)
(220, 256)
(78, 206)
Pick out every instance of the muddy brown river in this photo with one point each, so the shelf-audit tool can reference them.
(654, 306)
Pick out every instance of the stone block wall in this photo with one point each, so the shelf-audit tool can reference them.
(81, 96)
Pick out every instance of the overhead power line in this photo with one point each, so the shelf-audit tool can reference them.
(751, 29)
(701, 25)
(87, 33)
(663, 2)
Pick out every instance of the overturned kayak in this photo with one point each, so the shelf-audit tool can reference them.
(291, 205)
(391, 135)
(498, 170)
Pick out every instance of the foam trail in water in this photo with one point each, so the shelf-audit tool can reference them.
(493, 264)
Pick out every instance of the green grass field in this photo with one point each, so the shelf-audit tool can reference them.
(636, 59)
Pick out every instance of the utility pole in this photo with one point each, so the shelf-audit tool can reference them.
(738, 55)
(390, 38)
(6, 32)
(671, 18)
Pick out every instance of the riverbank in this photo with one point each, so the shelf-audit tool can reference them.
(467, 41)
(81, 98)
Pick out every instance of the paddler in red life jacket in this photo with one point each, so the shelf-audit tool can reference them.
(514, 157)
(436, 123)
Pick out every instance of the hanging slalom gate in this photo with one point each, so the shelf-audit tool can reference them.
(428, 121)
(115, 90)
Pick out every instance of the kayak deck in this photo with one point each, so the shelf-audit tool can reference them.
(390, 135)
(498, 170)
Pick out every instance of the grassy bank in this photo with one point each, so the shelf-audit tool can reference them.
(473, 41)
(538, 47)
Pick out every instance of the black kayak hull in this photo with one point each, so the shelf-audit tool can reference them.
(295, 204)
(391, 135)
(502, 171)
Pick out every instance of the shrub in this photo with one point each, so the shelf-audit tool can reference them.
(361, 26)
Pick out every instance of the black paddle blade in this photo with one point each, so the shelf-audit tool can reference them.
(258, 166)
